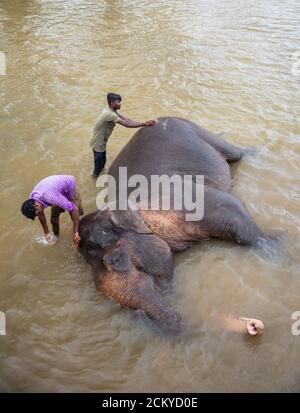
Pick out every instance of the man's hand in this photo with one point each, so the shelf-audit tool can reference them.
(151, 122)
(75, 218)
(51, 238)
(76, 239)
(128, 123)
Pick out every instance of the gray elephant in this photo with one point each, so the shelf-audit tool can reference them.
(131, 251)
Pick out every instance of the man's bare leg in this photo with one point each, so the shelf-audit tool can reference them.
(55, 213)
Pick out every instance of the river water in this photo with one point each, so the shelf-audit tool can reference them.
(227, 65)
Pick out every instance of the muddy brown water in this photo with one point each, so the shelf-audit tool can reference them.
(224, 64)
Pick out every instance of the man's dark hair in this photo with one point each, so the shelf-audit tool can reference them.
(112, 97)
(28, 209)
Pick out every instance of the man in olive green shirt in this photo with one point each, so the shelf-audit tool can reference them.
(105, 125)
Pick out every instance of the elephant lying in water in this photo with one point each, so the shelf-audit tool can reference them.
(131, 251)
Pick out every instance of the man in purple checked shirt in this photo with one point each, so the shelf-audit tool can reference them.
(59, 192)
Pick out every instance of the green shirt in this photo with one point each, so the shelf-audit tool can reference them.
(103, 129)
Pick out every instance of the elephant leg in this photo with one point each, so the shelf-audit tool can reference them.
(229, 151)
(137, 291)
(226, 217)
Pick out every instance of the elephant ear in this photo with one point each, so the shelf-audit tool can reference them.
(129, 220)
(117, 260)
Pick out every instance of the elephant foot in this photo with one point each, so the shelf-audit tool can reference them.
(274, 249)
(248, 152)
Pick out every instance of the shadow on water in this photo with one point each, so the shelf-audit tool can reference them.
(253, 342)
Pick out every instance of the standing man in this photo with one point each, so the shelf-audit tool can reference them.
(59, 192)
(104, 127)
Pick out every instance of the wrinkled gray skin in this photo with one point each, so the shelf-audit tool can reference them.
(130, 251)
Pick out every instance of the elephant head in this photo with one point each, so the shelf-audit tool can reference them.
(128, 261)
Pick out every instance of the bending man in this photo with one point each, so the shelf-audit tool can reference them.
(59, 192)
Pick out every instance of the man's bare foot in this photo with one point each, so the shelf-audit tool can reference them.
(250, 326)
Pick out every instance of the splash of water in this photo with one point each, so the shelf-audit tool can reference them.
(164, 124)
(41, 239)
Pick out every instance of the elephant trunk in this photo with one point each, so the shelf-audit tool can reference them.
(136, 290)
(160, 312)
